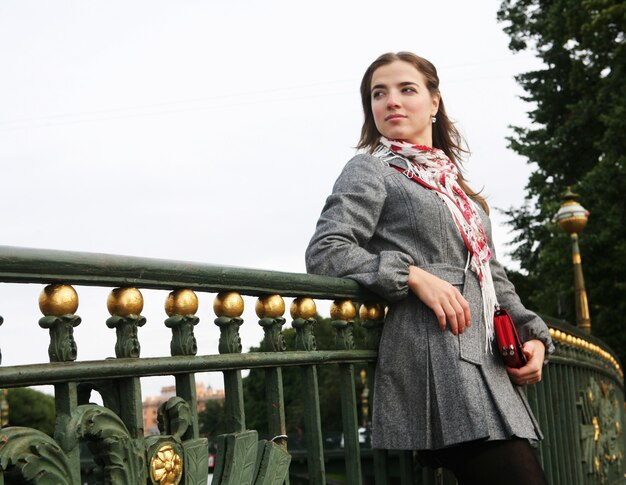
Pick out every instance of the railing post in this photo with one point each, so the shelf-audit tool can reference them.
(342, 313)
(270, 310)
(181, 307)
(303, 312)
(125, 305)
(58, 303)
(228, 307)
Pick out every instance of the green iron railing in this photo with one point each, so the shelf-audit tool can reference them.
(579, 403)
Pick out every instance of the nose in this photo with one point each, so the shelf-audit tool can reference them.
(392, 100)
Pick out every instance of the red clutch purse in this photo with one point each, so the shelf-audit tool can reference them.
(509, 343)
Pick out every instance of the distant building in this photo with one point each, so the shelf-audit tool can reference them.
(151, 404)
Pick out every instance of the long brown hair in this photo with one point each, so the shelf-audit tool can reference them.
(445, 135)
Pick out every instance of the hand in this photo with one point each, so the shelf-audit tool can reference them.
(531, 372)
(442, 298)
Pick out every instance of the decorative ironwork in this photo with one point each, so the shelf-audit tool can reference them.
(58, 300)
(166, 466)
(600, 429)
(372, 318)
(303, 311)
(270, 310)
(181, 307)
(174, 417)
(574, 341)
(343, 312)
(121, 456)
(33, 456)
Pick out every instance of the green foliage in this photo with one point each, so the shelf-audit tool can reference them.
(578, 138)
(212, 419)
(31, 409)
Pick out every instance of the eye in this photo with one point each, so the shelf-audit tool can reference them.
(409, 89)
(377, 94)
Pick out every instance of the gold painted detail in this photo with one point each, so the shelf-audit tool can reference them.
(343, 310)
(228, 304)
(58, 300)
(270, 306)
(576, 259)
(181, 302)
(303, 307)
(371, 311)
(565, 338)
(166, 467)
(596, 428)
(123, 302)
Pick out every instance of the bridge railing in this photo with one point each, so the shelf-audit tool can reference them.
(579, 404)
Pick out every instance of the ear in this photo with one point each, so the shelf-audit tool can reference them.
(436, 99)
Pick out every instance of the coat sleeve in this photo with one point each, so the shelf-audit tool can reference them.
(348, 221)
(529, 325)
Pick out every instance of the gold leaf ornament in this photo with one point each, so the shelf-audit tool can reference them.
(166, 467)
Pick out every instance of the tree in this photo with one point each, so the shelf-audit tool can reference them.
(577, 138)
(212, 419)
(32, 409)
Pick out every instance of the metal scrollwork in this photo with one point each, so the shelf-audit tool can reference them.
(345, 336)
(62, 346)
(373, 333)
(230, 341)
(305, 338)
(174, 417)
(127, 344)
(274, 340)
(183, 339)
(33, 456)
(600, 428)
(122, 458)
(342, 313)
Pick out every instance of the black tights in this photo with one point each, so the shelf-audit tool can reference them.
(489, 462)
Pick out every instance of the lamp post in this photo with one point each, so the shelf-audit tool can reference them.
(572, 217)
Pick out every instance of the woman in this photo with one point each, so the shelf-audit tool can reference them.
(402, 222)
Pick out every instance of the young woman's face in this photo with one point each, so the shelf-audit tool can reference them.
(401, 103)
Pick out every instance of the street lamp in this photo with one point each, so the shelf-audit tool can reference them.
(572, 217)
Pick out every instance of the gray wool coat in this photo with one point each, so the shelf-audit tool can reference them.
(432, 389)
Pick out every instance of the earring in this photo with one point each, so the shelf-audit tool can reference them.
(433, 119)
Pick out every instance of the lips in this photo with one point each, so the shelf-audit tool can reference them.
(394, 117)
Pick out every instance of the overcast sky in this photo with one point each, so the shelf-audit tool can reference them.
(212, 131)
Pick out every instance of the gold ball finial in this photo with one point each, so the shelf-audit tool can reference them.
(303, 307)
(181, 302)
(58, 299)
(270, 306)
(371, 311)
(228, 304)
(343, 310)
(125, 301)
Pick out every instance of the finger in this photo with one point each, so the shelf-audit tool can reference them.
(460, 316)
(451, 316)
(466, 309)
(441, 317)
